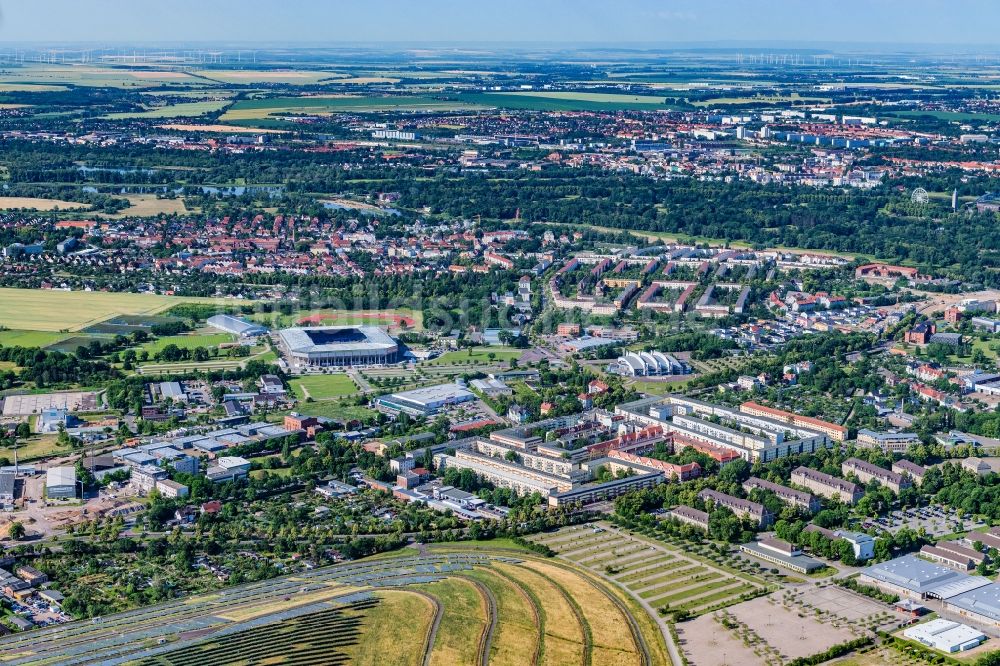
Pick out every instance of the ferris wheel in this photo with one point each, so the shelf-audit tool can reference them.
(919, 196)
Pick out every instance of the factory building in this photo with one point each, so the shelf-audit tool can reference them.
(60, 482)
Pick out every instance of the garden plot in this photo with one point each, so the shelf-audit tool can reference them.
(654, 573)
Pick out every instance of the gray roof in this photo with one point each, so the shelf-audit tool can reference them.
(922, 577)
(171, 390)
(60, 476)
(911, 468)
(235, 325)
(803, 561)
(733, 503)
(854, 464)
(6, 483)
(778, 489)
(983, 600)
(310, 340)
(691, 513)
(435, 394)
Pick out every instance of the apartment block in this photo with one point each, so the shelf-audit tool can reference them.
(827, 486)
(741, 507)
(788, 495)
(867, 472)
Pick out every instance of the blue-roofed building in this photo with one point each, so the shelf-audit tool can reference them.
(209, 445)
(52, 417)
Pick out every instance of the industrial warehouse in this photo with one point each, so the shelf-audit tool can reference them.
(337, 346)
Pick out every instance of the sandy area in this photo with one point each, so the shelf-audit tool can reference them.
(790, 632)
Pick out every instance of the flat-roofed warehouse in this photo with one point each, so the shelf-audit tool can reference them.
(946, 635)
(60, 482)
(916, 578)
(236, 326)
(980, 605)
(6, 488)
(338, 346)
(424, 401)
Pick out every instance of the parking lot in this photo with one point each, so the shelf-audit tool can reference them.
(34, 403)
(935, 519)
(39, 611)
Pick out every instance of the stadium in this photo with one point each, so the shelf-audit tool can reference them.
(337, 346)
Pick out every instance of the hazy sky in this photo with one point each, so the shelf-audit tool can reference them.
(609, 21)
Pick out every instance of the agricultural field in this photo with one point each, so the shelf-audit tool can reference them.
(36, 203)
(145, 205)
(565, 101)
(950, 116)
(497, 605)
(270, 108)
(658, 576)
(181, 110)
(323, 387)
(762, 99)
(30, 87)
(51, 310)
(46, 74)
(285, 76)
(15, 338)
(226, 129)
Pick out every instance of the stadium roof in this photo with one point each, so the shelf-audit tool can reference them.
(920, 576)
(319, 339)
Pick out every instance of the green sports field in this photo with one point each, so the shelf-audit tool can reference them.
(207, 340)
(476, 355)
(323, 387)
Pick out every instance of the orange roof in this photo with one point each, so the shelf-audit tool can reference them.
(794, 417)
